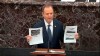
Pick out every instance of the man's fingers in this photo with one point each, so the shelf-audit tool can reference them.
(76, 35)
(28, 38)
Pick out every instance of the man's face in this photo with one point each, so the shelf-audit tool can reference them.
(48, 14)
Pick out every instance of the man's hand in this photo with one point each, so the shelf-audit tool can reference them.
(76, 36)
(28, 38)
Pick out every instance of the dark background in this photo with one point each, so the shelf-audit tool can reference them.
(15, 19)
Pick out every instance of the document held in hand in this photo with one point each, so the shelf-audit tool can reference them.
(69, 35)
(37, 36)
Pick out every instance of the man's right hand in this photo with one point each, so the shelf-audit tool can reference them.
(28, 37)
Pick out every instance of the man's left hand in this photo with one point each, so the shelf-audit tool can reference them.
(76, 36)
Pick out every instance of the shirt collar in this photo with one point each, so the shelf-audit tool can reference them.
(51, 24)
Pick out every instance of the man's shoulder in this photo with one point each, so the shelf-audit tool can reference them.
(38, 23)
(57, 22)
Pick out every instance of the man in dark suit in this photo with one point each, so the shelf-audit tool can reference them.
(57, 34)
(52, 29)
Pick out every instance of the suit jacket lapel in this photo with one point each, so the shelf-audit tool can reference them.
(54, 29)
(44, 30)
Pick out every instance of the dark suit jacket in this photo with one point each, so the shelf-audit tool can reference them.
(58, 34)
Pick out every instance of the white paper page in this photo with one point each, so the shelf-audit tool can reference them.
(69, 35)
(97, 0)
(37, 36)
(68, 0)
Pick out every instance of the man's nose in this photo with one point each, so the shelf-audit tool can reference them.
(49, 15)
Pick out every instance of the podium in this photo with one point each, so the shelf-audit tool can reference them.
(53, 52)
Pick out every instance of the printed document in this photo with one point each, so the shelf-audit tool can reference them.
(69, 35)
(37, 36)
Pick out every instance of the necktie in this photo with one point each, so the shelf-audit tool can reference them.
(49, 32)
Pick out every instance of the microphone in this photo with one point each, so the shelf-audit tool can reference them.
(48, 44)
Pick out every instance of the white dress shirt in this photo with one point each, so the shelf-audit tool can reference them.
(51, 26)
